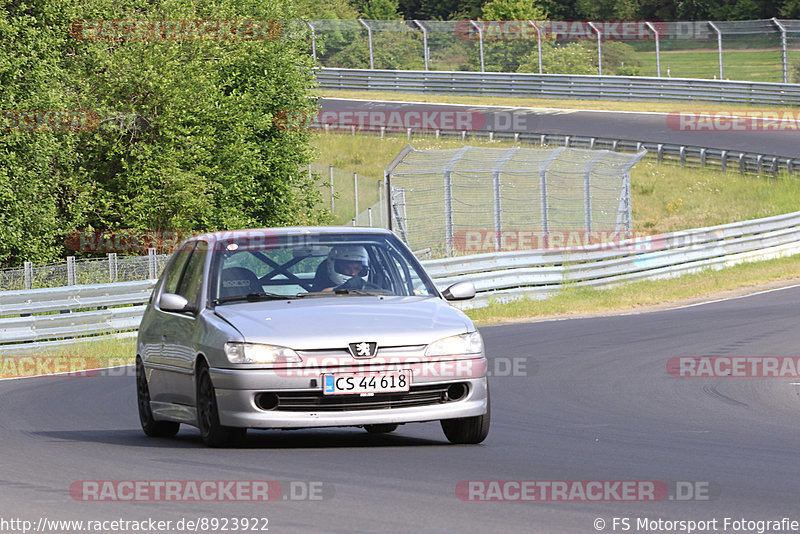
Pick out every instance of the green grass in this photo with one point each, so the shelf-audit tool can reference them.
(542, 103)
(574, 300)
(665, 197)
(742, 65)
(88, 355)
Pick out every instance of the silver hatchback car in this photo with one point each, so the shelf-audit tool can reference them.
(306, 327)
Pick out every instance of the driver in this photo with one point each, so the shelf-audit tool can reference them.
(344, 263)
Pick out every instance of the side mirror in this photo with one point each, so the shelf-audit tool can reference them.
(459, 291)
(170, 302)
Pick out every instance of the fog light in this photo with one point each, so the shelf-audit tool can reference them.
(456, 392)
(267, 401)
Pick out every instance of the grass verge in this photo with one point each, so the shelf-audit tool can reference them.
(646, 295)
(87, 355)
(547, 103)
(665, 197)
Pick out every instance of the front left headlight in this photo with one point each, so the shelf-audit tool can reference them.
(260, 354)
(471, 343)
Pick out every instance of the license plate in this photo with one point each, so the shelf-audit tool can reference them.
(366, 383)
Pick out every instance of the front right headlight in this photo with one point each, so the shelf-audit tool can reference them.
(257, 353)
(471, 343)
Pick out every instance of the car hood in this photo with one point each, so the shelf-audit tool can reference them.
(334, 322)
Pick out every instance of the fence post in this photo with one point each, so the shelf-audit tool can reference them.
(498, 212)
(544, 205)
(719, 46)
(587, 191)
(152, 268)
(71, 271)
(784, 58)
(28, 274)
(112, 266)
(369, 36)
(380, 202)
(658, 49)
(424, 42)
(369, 216)
(330, 175)
(313, 41)
(355, 191)
(448, 198)
(538, 42)
(599, 48)
(480, 43)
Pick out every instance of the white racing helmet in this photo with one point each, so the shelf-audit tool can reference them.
(341, 259)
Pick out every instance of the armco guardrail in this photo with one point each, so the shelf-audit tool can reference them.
(685, 155)
(506, 276)
(561, 86)
(500, 276)
(28, 317)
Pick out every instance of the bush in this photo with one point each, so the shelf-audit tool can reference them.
(186, 140)
(581, 58)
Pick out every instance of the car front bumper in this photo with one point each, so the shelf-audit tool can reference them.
(237, 391)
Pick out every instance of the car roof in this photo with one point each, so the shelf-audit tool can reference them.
(289, 230)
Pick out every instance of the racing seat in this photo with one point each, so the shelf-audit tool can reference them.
(238, 281)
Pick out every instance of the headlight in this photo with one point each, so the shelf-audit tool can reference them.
(471, 343)
(255, 353)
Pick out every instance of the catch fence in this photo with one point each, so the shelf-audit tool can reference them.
(756, 50)
(464, 200)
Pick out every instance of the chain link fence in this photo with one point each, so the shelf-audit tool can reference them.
(83, 271)
(472, 199)
(352, 198)
(755, 50)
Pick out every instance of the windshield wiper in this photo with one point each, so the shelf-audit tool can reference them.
(253, 297)
(358, 292)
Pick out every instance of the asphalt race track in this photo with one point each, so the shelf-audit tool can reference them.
(779, 138)
(592, 402)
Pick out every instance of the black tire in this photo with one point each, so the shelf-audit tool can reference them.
(213, 433)
(381, 429)
(468, 430)
(151, 427)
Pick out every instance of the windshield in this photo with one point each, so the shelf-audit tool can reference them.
(314, 265)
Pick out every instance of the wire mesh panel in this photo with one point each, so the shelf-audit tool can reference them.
(473, 199)
(753, 50)
(84, 271)
(792, 28)
(341, 43)
(452, 45)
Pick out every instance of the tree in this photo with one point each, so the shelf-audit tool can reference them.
(581, 58)
(507, 42)
(441, 9)
(185, 139)
(790, 9)
(513, 10)
(608, 9)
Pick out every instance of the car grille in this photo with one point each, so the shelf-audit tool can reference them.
(297, 401)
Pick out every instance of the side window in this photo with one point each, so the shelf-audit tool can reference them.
(176, 269)
(192, 279)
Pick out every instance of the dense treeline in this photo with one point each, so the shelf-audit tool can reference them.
(149, 134)
(555, 9)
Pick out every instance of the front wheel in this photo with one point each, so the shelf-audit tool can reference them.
(213, 433)
(151, 427)
(468, 430)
